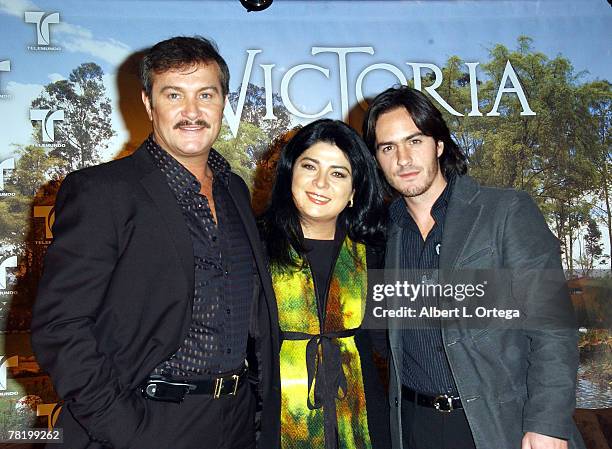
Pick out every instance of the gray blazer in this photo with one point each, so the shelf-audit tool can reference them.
(511, 381)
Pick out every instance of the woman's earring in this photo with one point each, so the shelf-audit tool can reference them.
(350, 203)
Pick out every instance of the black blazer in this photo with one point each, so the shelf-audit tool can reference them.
(115, 299)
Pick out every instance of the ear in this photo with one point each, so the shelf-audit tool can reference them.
(147, 104)
(439, 148)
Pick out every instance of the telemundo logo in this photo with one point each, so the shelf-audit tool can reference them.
(42, 21)
(48, 213)
(6, 264)
(5, 66)
(51, 411)
(7, 164)
(5, 363)
(48, 117)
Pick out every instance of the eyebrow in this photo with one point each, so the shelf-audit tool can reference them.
(408, 137)
(316, 161)
(214, 88)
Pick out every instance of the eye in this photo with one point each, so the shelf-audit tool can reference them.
(174, 96)
(385, 148)
(307, 166)
(206, 96)
(339, 174)
(415, 141)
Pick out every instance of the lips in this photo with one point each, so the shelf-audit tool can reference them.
(192, 126)
(318, 199)
(408, 174)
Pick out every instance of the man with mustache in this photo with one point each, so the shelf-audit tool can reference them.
(155, 316)
(461, 382)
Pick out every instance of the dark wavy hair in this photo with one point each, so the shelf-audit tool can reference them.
(364, 222)
(425, 116)
(178, 53)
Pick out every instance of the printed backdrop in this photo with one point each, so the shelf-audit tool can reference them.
(524, 85)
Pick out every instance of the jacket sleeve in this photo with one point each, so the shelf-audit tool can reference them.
(532, 253)
(79, 265)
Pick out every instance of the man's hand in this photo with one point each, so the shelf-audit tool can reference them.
(533, 440)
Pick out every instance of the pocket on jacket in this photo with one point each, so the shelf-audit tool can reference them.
(483, 253)
(500, 360)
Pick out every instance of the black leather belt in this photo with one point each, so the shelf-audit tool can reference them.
(160, 388)
(442, 402)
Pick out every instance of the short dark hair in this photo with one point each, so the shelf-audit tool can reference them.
(180, 52)
(425, 116)
(364, 222)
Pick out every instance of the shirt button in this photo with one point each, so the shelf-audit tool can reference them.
(226, 273)
(228, 311)
(229, 350)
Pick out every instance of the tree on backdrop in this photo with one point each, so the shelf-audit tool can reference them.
(34, 168)
(558, 155)
(599, 96)
(86, 128)
(254, 133)
(240, 150)
(33, 181)
(254, 112)
(592, 252)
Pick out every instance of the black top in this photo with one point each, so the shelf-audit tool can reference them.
(426, 368)
(224, 272)
(320, 255)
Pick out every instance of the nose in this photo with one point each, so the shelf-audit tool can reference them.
(320, 180)
(190, 109)
(403, 156)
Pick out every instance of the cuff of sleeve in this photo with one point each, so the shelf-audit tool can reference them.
(554, 430)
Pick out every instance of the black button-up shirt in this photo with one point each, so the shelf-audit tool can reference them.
(426, 368)
(224, 271)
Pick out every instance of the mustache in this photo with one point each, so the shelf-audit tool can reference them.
(407, 169)
(202, 123)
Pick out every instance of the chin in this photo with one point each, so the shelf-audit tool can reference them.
(192, 150)
(314, 218)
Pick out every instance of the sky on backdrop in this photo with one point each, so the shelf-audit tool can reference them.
(106, 32)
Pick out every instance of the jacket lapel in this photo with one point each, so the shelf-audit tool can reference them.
(460, 221)
(393, 274)
(240, 197)
(156, 186)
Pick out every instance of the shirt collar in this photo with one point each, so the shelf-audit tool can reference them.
(181, 180)
(398, 212)
(444, 197)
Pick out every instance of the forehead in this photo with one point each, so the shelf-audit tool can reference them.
(394, 124)
(191, 75)
(326, 154)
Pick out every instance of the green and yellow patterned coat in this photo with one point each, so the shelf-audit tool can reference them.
(323, 402)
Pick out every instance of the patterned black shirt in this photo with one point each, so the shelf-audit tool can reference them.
(426, 368)
(224, 271)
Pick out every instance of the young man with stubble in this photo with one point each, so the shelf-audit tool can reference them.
(458, 383)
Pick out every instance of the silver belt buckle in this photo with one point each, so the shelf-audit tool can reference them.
(441, 402)
(171, 391)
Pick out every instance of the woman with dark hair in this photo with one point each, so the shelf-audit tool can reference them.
(323, 228)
